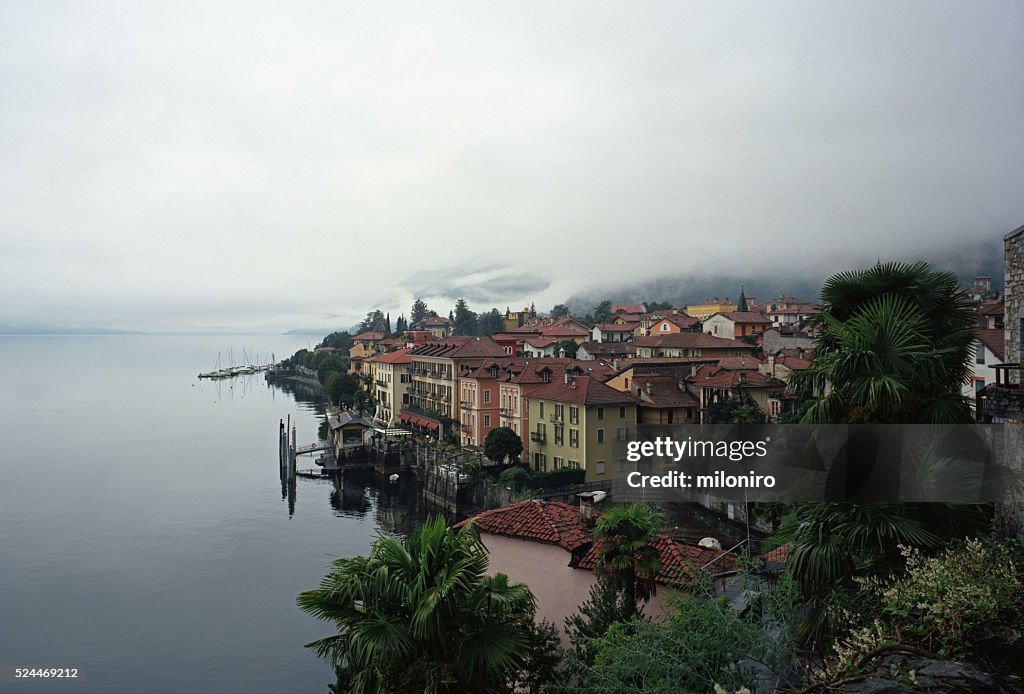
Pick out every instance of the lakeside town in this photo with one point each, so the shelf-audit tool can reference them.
(537, 406)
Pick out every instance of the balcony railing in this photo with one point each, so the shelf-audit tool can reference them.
(538, 437)
(507, 412)
(557, 418)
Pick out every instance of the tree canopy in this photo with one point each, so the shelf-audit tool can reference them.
(421, 614)
(503, 443)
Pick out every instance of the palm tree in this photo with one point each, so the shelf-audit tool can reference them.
(895, 347)
(626, 555)
(422, 615)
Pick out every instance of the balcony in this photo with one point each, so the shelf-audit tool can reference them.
(507, 412)
(538, 437)
(557, 418)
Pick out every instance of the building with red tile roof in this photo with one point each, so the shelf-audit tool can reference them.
(546, 545)
(687, 344)
(588, 422)
(735, 325)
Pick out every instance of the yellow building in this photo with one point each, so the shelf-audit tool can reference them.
(580, 423)
(710, 308)
(390, 388)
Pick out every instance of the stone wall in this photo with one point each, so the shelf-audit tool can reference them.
(1012, 514)
(1014, 293)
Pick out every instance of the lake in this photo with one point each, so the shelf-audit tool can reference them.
(144, 536)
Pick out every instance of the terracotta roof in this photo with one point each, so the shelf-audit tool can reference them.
(739, 363)
(682, 320)
(435, 320)
(992, 308)
(664, 391)
(603, 348)
(995, 341)
(369, 336)
(584, 390)
(744, 317)
(460, 347)
(679, 561)
(627, 309)
(793, 363)
(563, 331)
(716, 377)
(627, 327)
(541, 342)
(399, 356)
(780, 554)
(691, 341)
(551, 522)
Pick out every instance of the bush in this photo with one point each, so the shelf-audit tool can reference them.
(944, 604)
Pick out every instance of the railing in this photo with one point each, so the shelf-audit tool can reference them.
(557, 418)
(538, 437)
(507, 412)
(1004, 375)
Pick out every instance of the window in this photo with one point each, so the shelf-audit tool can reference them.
(574, 464)
(622, 464)
(979, 355)
(574, 438)
(559, 435)
(559, 412)
(621, 433)
(487, 396)
(557, 463)
(622, 412)
(600, 413)
(600, 435)
(542, 409)
(979, 384)
(487, 420)
(599, 468)
(574, 415)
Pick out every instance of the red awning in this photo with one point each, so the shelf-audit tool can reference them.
(405, 417)
(431, 425)
(417, 420)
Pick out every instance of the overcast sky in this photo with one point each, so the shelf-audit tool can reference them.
(268, 166)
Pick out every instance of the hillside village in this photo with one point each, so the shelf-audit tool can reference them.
(572, 387)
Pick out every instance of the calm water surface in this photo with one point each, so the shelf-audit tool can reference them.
(143, 535)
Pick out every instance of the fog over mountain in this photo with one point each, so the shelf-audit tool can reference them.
(193, 167)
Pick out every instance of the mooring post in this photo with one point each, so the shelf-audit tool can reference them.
(291, 464)
(280, 443)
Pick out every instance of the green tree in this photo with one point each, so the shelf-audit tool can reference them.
(418, 312)
(734, 410)
(338, 340)
(422, 614)
(604, 606)
(603, 312)
(704, 643)
(559, 310)
(658, 306)
(329, 365)
(503, 443)
(464, 319)
(626, 555)
(570, 347)
(341, 387)
(895, 347)
(490, 323)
